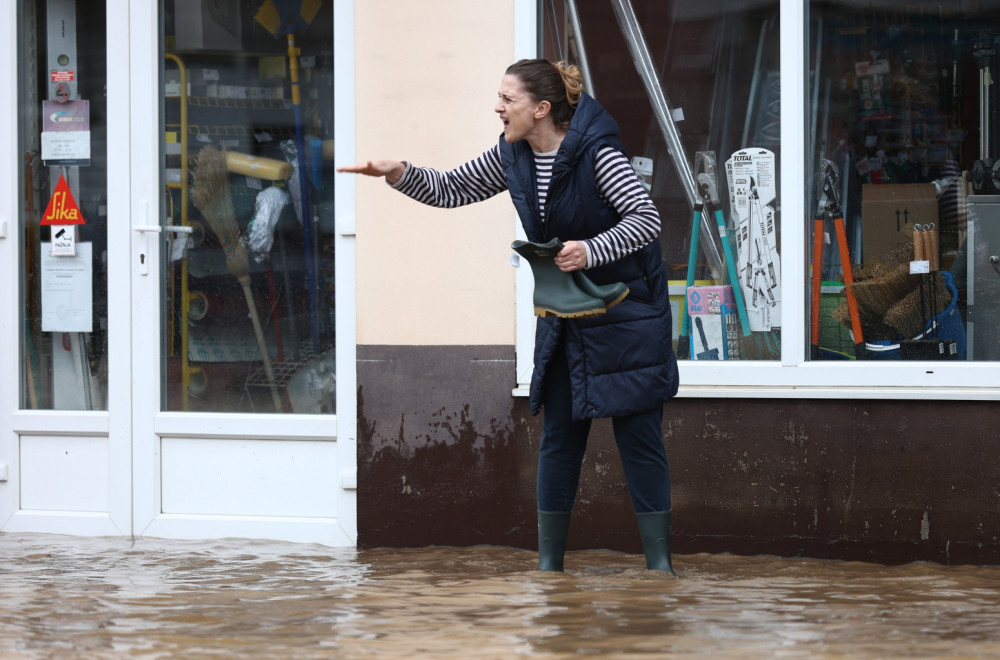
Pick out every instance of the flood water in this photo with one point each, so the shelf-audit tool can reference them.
(63, 597)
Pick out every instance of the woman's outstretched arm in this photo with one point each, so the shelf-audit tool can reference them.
(475, 181)
(392, 170)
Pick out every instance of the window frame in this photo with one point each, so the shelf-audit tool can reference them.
(794, 376)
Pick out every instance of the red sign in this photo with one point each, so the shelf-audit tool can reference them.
(62, 208)
(62, 76)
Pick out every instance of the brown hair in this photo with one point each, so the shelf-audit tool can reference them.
(561, 84)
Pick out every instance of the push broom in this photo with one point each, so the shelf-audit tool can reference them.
(284, 17)
(213, 198)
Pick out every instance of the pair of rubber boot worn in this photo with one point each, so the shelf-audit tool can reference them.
(573, 295)
(654, 528)
(569, 295)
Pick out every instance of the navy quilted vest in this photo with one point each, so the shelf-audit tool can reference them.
(621, 362)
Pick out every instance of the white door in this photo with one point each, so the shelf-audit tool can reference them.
(65, 409)
(228, 389)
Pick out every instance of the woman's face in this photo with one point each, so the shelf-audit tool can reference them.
(516, 109)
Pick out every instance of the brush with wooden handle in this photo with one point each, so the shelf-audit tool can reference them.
(212, 197)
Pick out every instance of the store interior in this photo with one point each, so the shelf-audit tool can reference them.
(901, 120)
(263, 277)
(247, 262)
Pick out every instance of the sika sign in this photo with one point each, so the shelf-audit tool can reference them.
(62, 208)
(62, 214)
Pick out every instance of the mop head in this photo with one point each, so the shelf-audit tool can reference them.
(260, 233)
(212, 197)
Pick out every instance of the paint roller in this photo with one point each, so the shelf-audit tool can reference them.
(257, 166)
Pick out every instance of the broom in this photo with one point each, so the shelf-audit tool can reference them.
(909, 315)
(278, 18)
(888, 295)
(212, 197)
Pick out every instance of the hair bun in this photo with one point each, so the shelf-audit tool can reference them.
(572, 79)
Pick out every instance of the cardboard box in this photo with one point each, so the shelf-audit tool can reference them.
(715, 333)
(888, 211)
(678, 290)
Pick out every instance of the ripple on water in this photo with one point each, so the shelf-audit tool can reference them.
(77, 597)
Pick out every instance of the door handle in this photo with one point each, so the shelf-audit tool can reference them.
(156, 229)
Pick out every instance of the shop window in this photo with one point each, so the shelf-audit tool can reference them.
(249, 289)
(63, 286)
(904, 192)
(695, 89)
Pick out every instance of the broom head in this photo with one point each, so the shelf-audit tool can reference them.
(212, 197)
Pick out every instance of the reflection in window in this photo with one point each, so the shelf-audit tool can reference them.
(695, 89)
(248, 279)
(905, 194)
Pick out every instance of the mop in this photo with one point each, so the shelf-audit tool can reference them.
(260, 239)
(283, 17)
(260, 233)
(211, 195)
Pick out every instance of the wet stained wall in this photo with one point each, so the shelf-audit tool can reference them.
(446, 456)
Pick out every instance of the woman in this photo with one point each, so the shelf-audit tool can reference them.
(569, 178)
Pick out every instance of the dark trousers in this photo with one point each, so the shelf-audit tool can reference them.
(564, 441)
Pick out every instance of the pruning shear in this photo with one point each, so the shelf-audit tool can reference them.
(827, 208)
(708, 185)
(708, 189)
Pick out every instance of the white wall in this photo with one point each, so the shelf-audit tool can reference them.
(426, 80)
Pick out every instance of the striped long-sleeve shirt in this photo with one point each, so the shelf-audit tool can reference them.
(483, 177)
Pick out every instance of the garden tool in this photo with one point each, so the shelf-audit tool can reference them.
(708, 183)
(683, 342)
(760, 279)
(641, 57)
(568, 295)
(827, 208)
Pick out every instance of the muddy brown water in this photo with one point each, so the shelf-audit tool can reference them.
(64, 597)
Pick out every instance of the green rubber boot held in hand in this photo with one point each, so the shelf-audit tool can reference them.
(553, 528)
(569, 295)
(655, 531)
(611, 294)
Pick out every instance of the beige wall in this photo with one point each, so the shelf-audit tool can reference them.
(427, 74)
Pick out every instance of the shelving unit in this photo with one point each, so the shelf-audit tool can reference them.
(185, 294)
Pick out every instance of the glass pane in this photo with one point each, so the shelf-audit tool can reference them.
(695, 89)
(902, 114)
(63, 201)
(248, 292)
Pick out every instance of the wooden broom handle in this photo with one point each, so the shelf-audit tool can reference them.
(265, 358)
